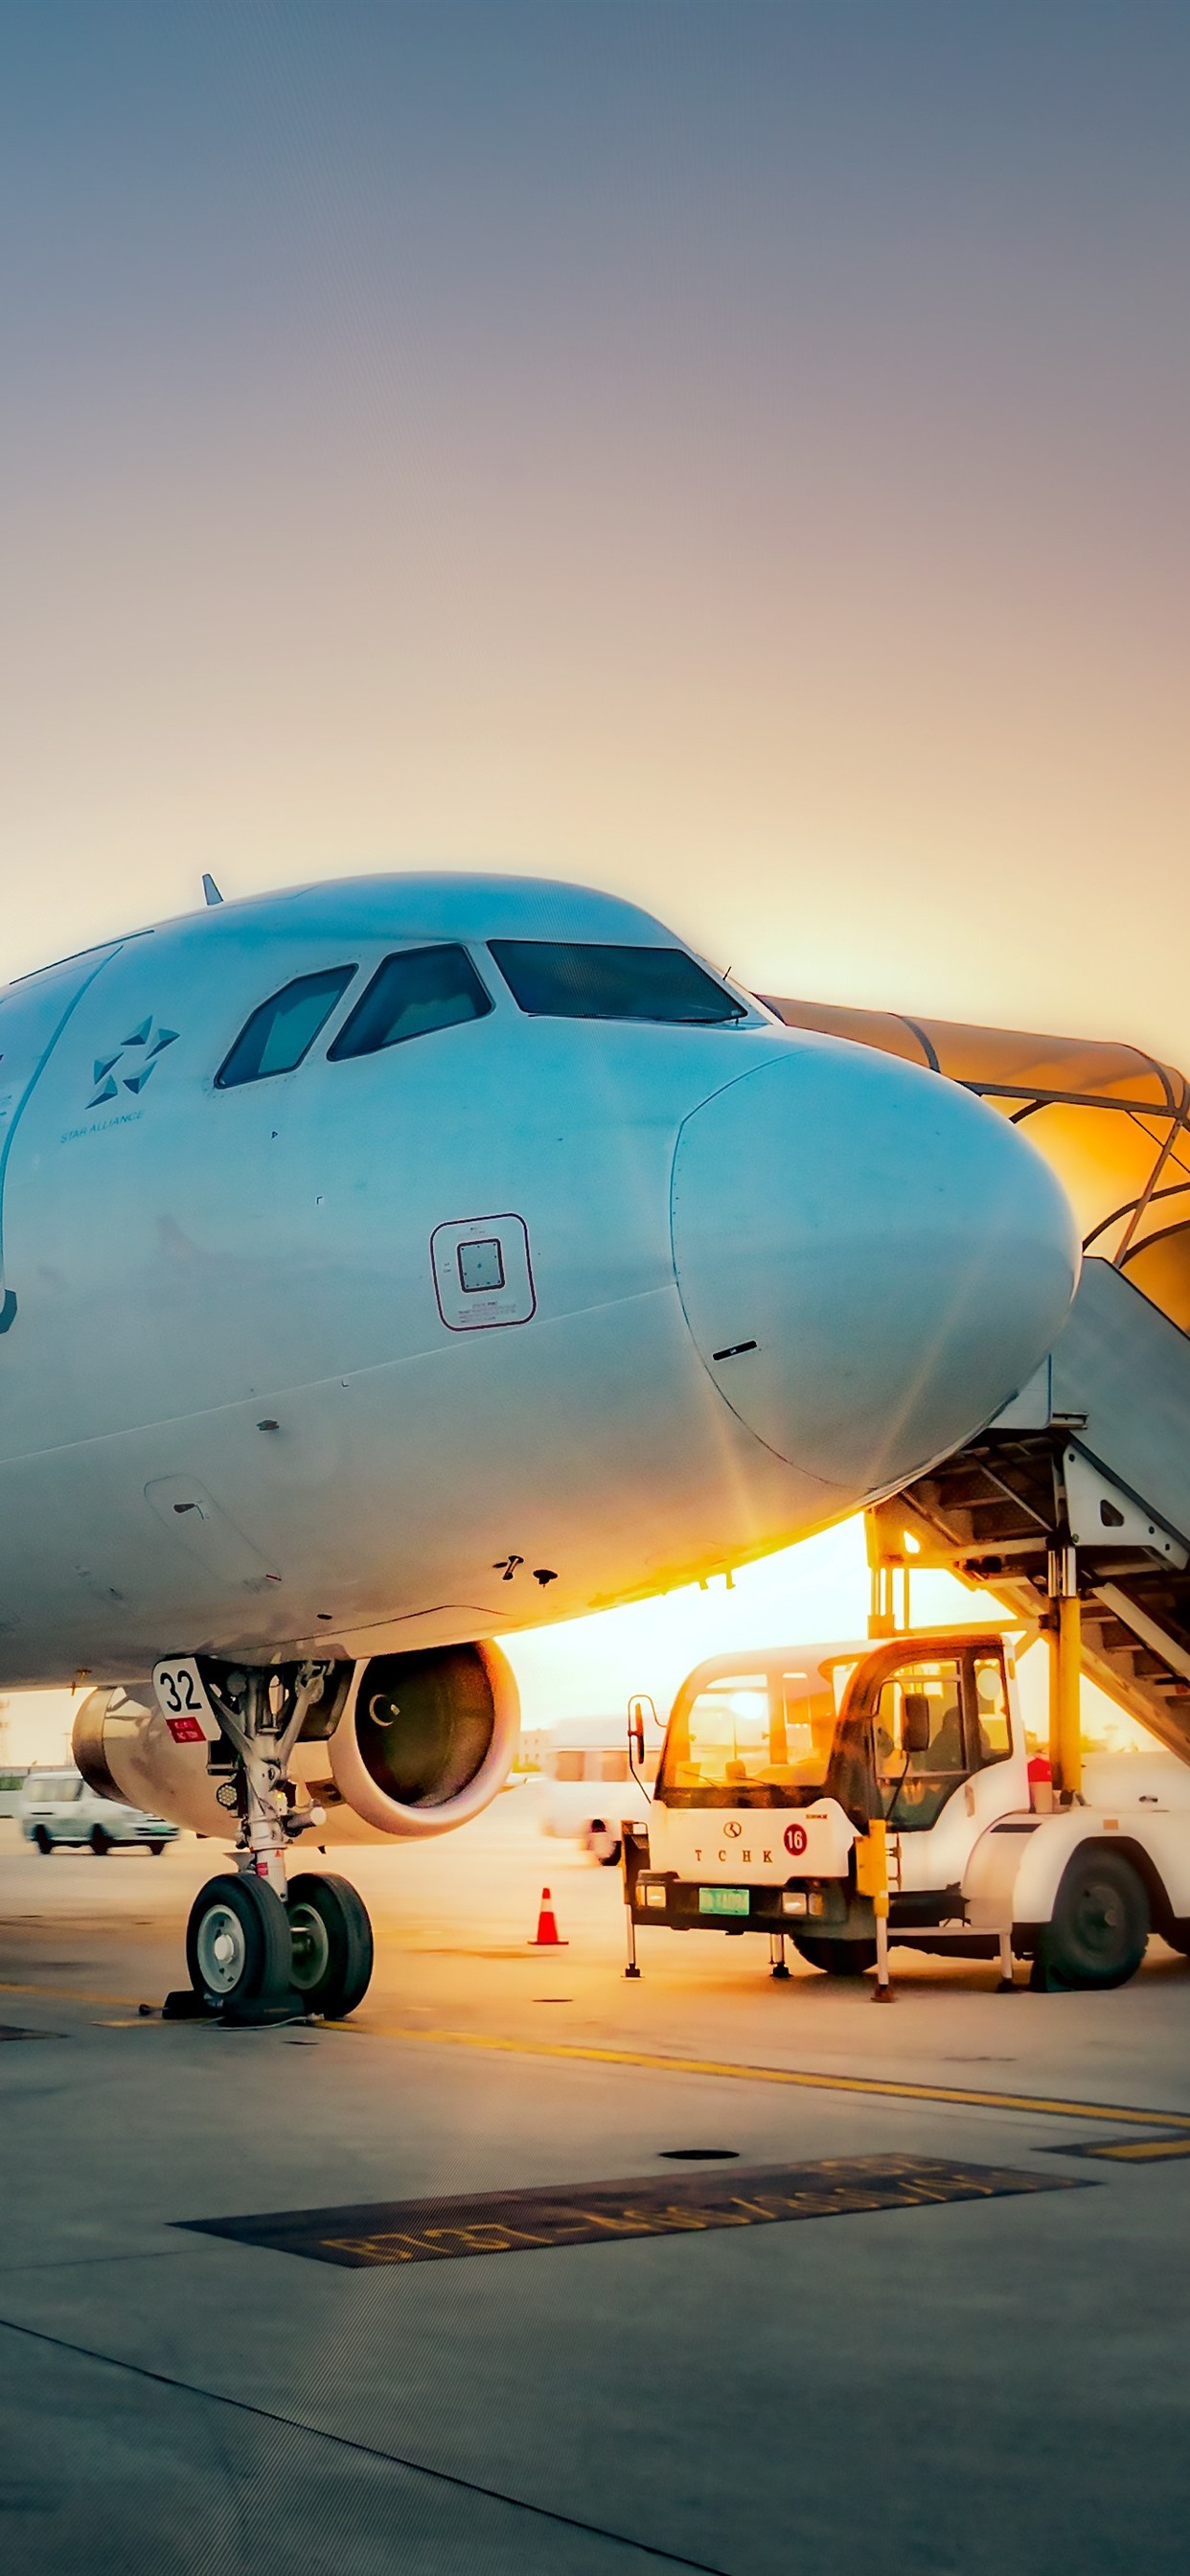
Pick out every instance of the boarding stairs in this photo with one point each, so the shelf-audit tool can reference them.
(1082, 1481)
(1079, 1493)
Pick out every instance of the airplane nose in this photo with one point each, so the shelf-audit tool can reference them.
(871, 1261)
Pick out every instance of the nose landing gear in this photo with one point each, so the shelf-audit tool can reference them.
(257, 1948)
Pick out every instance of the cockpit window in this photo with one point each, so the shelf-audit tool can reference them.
(571, 979)
(419, 990)
(282, 1030)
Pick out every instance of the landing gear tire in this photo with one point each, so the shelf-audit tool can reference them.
(101, 1843)
(238, 1947)
(1100, 1927)
(838, 1958)
(44, 1841)
(332, 1944)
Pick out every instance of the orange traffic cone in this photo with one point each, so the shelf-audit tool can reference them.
(547, 1936)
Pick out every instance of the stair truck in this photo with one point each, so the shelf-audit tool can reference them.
(844, 1797)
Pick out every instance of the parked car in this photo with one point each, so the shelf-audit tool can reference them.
(58, 1807)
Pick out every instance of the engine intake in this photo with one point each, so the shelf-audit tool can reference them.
(427, 1738)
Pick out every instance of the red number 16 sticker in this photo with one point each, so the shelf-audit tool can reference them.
(796, 1838)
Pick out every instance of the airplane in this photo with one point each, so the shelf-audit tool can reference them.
(391, 1263)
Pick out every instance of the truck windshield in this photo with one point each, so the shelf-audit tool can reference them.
(760, 1739)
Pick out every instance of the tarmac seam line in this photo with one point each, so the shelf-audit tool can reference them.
(364, 2450)
(78, 2262)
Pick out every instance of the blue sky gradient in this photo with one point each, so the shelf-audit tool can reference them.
(735, 454)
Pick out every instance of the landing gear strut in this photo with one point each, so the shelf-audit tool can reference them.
(259, 1949)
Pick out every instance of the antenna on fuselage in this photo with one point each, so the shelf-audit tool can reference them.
(210, 889)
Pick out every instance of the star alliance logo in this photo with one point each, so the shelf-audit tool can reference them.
(143, 1048)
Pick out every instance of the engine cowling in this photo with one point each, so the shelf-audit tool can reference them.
(423, 1743)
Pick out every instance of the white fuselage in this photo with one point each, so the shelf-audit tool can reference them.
(752, 1277)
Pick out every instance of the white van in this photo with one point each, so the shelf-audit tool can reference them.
(58, 1807)
(589, 1787)
(12, 1790)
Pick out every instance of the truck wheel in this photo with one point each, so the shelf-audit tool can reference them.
(101, 1843)
(1100, 1926)
(839, 1958)
(44, 1841)
(603, 1845)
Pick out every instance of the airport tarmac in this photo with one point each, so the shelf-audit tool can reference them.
(915, 2319)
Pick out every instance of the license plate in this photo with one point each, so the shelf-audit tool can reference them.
(723, 1900)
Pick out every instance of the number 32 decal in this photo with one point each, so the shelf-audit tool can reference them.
(183, 1701)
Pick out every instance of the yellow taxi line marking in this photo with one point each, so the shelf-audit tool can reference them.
(66, 1995)
(1047, 2106)
(1054, 2107)
(1144, 2150)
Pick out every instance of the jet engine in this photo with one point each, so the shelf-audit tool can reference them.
(426, 1739)
(417, 1744)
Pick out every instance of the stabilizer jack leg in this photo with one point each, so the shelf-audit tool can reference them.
(882, 1991)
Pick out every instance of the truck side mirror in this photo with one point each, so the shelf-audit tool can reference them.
(915, 1722)
(639, 1707)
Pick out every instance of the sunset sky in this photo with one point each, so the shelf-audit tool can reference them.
(735, 455)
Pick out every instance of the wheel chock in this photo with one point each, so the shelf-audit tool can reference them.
(183, 2004)
(257, 2014)
(1042, 1980)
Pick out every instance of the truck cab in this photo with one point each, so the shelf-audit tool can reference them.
(777, 1765)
